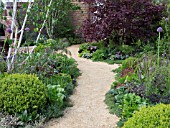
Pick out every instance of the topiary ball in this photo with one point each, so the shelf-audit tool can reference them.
(150, 117)
(20, 92)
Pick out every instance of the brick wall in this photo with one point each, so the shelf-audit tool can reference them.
(79, 16)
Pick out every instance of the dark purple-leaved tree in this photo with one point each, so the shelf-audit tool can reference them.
(125, 20)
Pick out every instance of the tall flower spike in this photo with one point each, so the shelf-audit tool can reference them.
(159, 29)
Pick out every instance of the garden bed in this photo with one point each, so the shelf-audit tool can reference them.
(57, 75)
(145, 84)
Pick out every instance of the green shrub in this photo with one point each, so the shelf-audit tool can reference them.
(46, 64)
(129, 63)
(39, 48)
(55, 44)
(126, 49)
(20, 92)
(67, 65)
(84, 47)
(150, 117)
(88, 49)
(98, 55)
(85, 54)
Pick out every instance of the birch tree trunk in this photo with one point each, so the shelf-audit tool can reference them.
(49, 5)
(44, 21)
(11, 36)
(21, 35)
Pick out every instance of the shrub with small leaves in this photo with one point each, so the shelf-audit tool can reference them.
(20, 92)
(150, 117)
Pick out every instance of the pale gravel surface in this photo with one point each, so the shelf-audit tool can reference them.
(89, 109)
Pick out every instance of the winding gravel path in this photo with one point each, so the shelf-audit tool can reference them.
(89, 109)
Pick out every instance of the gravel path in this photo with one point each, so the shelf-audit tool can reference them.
(89, 109)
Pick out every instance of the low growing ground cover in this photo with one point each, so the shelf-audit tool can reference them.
(111, 54)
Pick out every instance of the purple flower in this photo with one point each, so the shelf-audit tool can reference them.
(166, 19)
(27, 29)
(159, 29)
(118, 55)
(9, 30)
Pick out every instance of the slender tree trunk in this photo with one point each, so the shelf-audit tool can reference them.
(44, 21)
(11, 36)
(49, 5)
(22, 32)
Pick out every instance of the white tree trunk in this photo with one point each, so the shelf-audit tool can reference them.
(49, 5)
(11, 36)
(22, 32)
(44, 21)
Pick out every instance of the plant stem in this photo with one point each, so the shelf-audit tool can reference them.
(166, 28)
(159, 38)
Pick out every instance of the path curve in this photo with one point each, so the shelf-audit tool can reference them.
(89, 109)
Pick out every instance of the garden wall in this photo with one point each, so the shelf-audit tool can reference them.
(79, 16)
